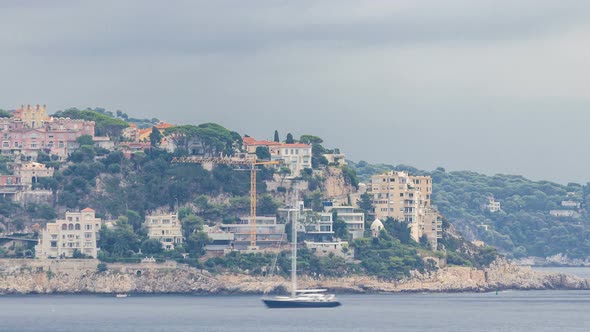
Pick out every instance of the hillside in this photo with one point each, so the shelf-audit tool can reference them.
(530, 222)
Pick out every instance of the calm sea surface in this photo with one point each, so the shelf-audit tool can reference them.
(507, 311)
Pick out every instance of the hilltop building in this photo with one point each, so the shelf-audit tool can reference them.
(493, 205)
(407, 198)
(77, 233)
(30, 130)
(296, 156)
(165, 228)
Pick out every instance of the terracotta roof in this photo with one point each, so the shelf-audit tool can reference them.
(295, 145)
(164, 125)
(252, 141)
(87, 210)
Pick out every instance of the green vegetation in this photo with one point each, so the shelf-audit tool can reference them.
(105, 123)
(5, 114)
(212, 138)
(524, 226)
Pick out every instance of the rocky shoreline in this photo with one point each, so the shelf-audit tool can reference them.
(82, 277)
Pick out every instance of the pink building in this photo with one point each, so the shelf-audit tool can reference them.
(57, 136)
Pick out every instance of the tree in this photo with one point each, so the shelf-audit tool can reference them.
(101, 267)
(134, 219)
(262, 153)
(155, 137)
(85, 140)
(339, 226)
(105, 123)
(120, 241)
(151, 247)
(196, 243)
(284, 171)
(5, 114)
(310, 139)
(276, 139)
(191, 224)
(289, 139)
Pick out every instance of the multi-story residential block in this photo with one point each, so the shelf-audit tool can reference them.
(30, 131)
(269, 233)
(398, 194)
(406, 198)
(165, 228)
(30, 173)
(296, 156)
(429, 224)
(317, 226)
(78, 232)
(355, 221)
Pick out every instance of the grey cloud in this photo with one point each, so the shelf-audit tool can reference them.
(186, 27)
(492, 86)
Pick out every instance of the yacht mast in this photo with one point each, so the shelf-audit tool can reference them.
(294, 254)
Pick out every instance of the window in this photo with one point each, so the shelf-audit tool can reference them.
(77, 227)
(71, 227)
(64, 227)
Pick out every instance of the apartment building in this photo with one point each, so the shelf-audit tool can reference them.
(30, 130)
(407, 198)
(355, 221)
(77, 233)
(165, 228)
(269, 234)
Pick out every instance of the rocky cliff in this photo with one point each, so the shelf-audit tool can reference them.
(36, 276)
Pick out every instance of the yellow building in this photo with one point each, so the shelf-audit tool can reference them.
(32, 116)
(406, 198)
(76, 233)
(165, 228)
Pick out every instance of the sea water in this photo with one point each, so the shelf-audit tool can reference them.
(505, 311)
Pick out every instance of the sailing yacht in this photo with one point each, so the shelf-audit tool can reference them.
(301, 298)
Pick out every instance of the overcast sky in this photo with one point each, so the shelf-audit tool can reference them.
(490, 86)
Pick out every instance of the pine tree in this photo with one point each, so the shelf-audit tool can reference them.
(277, 136)
(289, 139)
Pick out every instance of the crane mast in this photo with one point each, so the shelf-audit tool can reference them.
(230, 161)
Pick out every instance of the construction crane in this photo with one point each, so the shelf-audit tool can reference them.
(252, 163)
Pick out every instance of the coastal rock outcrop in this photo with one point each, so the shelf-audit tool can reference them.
(82, 276)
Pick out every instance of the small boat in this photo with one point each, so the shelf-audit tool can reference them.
(301, 298)
(121, 295)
